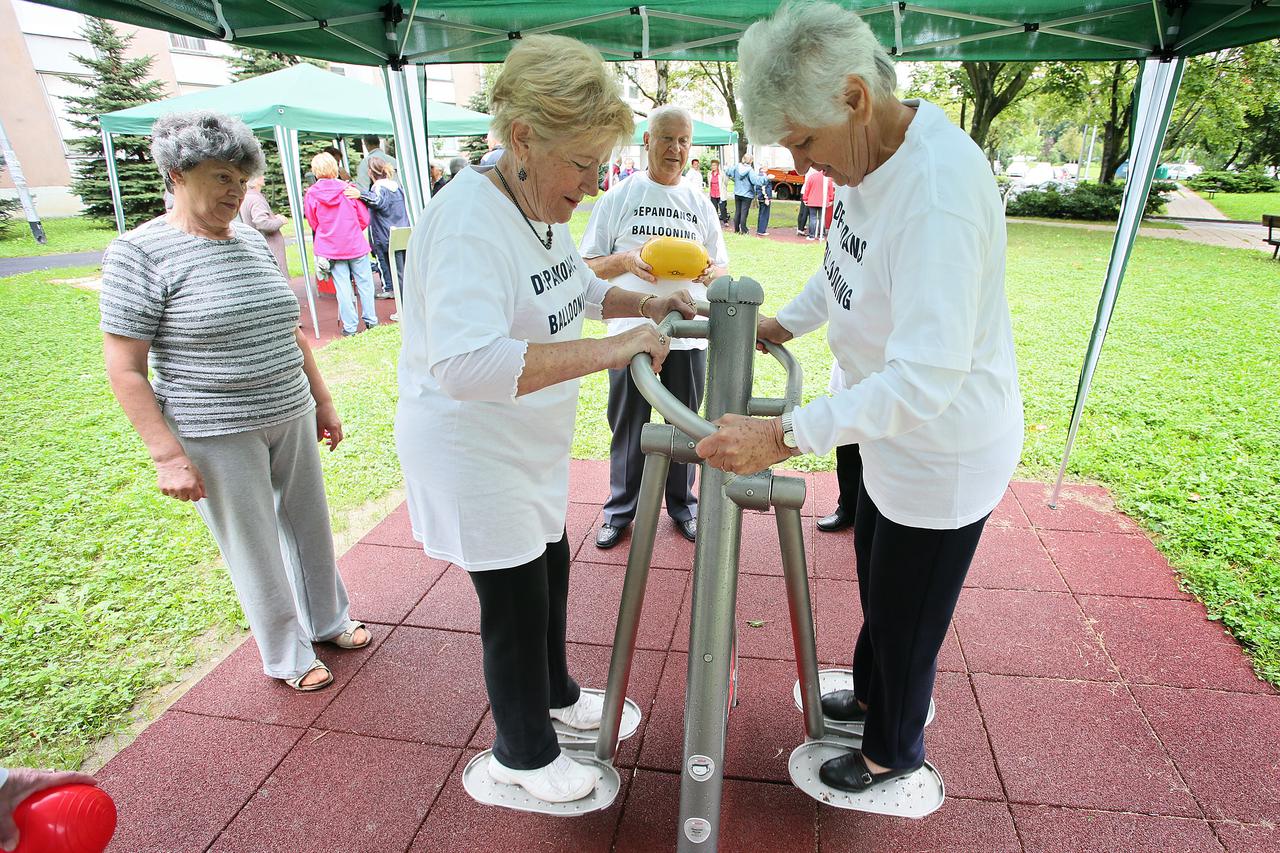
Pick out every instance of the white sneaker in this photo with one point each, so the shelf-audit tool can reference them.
(583, 714)
(562, 781)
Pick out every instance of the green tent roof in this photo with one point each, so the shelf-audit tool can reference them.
(374, 32)
(302, 97)
(703, 134)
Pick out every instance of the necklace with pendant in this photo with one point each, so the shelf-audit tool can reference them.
(546, 244)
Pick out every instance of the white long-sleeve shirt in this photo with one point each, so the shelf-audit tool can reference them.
(912, 290)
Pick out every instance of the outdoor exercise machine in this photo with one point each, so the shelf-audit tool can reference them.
(731, 313)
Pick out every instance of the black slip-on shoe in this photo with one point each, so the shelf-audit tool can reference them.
(688, 529)
(842, 705)
(608, 536)
(849, 772)
(838, 520)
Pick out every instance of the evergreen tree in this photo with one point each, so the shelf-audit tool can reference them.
(8, 206)
(249, 62)
(475, 147)
(115, 83)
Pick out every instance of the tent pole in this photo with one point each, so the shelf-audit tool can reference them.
(406, 151)
(113, 178)
(287, 145)
(1157, 88)
(346, 160)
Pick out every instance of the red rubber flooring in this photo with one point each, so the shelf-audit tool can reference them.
(1084, 704)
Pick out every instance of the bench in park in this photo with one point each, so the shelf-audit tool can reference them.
(1273, 239)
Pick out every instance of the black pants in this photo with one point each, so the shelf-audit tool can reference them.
(523, 611)
(802, 218)
(741, 207)
(683, 373)
(848, 474)
(909, 579)
(722, 208)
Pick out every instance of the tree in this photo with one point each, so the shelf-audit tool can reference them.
(475, 147)
(7, 208)
(249, 62)
(993, 86)
(114, 83)
(659, 92)
(722, 76)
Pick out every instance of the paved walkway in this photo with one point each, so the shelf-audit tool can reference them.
(1084, 704)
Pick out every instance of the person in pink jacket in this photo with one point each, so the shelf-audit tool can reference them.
(338, 224)
(811, 196)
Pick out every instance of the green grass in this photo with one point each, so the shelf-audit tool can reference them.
(108, 589)
(70, 234)
(106, 586)
(1245, 207)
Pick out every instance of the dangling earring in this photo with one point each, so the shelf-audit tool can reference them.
(522, 174)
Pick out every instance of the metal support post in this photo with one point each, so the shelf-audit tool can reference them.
(113, 178)
(734, 306)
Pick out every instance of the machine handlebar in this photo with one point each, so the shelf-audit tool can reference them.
(670, 407)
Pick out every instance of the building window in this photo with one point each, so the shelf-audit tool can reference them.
(188, 43)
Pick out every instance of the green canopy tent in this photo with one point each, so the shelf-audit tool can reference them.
(301, 98)
(1158, 33)
(703, 134)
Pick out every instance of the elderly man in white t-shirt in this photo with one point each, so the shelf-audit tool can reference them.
(654, 203)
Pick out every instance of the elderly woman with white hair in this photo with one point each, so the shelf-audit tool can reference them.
(237, 404)
(911, 288)
(489, 370)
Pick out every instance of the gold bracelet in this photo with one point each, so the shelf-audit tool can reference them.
(644, 300)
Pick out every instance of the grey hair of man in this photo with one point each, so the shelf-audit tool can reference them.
(457, 164)
(182, 141)
(794, 66)
(666, 114)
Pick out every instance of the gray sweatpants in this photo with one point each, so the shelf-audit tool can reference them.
(266, 508)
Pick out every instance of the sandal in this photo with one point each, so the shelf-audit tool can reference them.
(346, 640)
(849, 772)
(296, 683)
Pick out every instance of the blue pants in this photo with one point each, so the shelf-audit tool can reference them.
(357, 272)
(909, 580)
(815, 216)
(383, 251)
(762, 222)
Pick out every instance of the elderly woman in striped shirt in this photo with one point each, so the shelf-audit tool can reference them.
(237, 403)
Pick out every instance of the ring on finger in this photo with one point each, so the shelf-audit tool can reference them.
(662, 339)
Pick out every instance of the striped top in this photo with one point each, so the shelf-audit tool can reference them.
(220, 318)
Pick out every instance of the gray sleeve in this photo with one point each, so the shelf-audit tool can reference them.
(133, 297)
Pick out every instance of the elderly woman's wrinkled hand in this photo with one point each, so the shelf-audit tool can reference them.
(328, 425)
(681, 302)
(710, 274)
(636, 265)
(645, 339)
(769, 329)
(21, 784)
(351, 191)
(744, 445)
(179, 478)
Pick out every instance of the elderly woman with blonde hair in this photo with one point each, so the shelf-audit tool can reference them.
(489, 370)
(911, 290)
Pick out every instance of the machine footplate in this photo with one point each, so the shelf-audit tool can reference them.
(571, 738)
(483, 789)
(831, 680)
(912, 796)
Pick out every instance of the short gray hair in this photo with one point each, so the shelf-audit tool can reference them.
(182, 141)
(666, 113)
(794, 66)
(457, 164)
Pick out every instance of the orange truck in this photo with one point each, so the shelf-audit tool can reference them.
(786, 183)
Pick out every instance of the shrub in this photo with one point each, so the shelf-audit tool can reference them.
(1083, 201)
(1255, 181)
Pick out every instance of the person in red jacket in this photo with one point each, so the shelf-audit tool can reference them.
(338, 224)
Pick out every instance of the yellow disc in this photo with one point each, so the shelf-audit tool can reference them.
(675, 257)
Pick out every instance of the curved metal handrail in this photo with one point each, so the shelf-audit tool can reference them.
(677, 413)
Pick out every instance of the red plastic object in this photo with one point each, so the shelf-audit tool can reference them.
(65, 819)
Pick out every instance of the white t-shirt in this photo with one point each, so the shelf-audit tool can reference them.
(633, 213)
(487, 473)
(912, 287)
(692, 177)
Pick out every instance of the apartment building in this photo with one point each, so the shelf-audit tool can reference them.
(39, 43)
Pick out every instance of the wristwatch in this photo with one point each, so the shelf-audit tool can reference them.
(788, 434)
